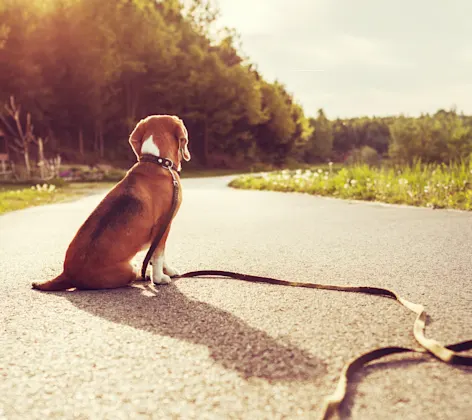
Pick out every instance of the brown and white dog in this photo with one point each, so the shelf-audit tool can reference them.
(127, 219)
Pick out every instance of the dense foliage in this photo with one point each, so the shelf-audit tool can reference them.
(88, 70)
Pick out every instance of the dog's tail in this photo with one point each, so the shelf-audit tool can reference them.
(61, 282)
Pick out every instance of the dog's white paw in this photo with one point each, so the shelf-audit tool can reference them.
(171, 271)
(149, 271)
(161, 279)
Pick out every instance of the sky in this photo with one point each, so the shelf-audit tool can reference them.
(361, 57)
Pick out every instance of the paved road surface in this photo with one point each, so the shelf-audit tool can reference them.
(221, 349)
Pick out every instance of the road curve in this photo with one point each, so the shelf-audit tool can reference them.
(222, 349)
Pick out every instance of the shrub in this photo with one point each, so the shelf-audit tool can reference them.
(364, 155)
(114, 175)
(58, 182)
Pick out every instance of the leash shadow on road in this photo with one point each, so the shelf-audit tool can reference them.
(231, 342)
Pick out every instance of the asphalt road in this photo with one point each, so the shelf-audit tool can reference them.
(222, 349)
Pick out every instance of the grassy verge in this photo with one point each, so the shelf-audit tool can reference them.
(435, 186)
(17, 196)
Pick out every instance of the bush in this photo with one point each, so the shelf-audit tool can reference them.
(261, 167)
(57, 182)
(365, 155)
(114, 175)
(90, 175)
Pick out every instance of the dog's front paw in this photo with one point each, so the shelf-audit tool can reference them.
(161, 279)
(171, 271)
(148, 272)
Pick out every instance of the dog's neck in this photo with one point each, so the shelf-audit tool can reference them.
(149, 147)
(159, 160)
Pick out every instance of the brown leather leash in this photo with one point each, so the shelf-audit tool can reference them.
(449, 354)
(169, 165)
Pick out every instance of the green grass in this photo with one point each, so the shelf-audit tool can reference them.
(435, 186)
(20, 196)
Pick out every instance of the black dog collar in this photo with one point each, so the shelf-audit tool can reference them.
(159, 160)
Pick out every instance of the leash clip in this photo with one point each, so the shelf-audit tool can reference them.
(169, 168)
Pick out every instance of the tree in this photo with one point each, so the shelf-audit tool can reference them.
(20, 133)
(442, 137)
(320, 145)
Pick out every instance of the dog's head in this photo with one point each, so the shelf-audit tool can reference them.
(161, 135)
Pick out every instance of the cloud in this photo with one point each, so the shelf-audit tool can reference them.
(348, 49)
(465, 55)
(364, 56)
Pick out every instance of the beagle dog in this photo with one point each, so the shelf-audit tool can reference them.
(127, 219)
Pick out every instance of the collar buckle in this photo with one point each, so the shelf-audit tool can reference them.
(159, 160)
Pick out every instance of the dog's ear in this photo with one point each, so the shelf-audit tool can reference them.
(136, 137)
(182, 137)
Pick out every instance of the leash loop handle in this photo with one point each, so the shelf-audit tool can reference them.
(447, 354)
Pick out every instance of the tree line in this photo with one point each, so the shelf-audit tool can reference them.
(87, 70)
(445, 136)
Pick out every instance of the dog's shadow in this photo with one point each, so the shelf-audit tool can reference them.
(232, 343)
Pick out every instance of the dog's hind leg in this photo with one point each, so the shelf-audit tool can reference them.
(120, 275)
(61, 282)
